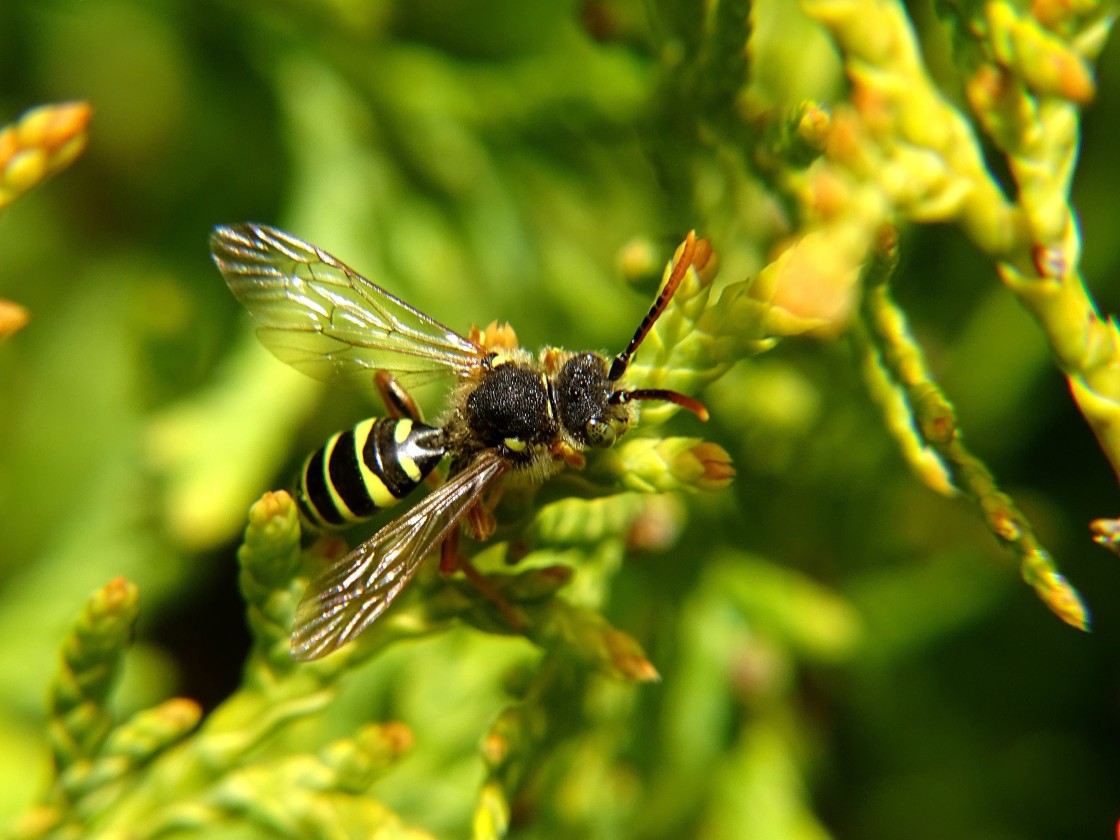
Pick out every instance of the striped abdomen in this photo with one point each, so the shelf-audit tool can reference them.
(364, 469)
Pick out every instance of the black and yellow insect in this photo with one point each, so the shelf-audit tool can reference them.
(512, 419)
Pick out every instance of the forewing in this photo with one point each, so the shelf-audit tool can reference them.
(348, 596)
(325, 319)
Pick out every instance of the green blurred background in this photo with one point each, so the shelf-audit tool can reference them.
(843, 652)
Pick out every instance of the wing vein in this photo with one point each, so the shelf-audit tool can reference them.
(323, 318)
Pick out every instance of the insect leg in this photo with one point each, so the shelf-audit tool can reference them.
(482, 525)
(398, 402)
(451, 561)
(510, 613)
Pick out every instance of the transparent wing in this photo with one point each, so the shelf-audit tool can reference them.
(325, 319)
(347, 597)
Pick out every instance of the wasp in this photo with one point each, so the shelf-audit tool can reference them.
(512, 419)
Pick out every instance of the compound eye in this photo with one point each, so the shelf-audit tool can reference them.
(600, 433)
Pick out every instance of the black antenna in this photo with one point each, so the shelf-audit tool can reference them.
(680, 268)
(622, 360)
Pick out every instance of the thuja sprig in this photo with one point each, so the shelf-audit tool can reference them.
(887, 374)
(700, 335)
(520, 741)
(277, 692)
(91, 658)
(44, 140)
(695, 342)
(885, 334)
(300, 796)
(98, 759)
(891, 398)
(508, 752)
(901, 149)
(195, 778)
(661, 465)
(13, 317)
(555, 731)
